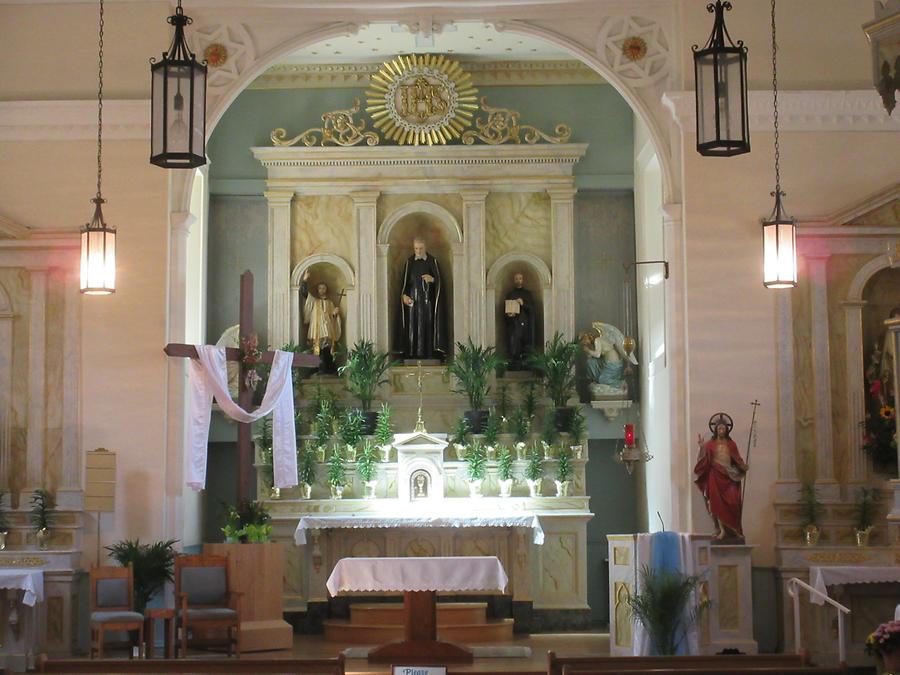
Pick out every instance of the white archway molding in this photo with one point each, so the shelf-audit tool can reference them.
(460, 266)
(493, 274)
(352, 327)
(855, 363)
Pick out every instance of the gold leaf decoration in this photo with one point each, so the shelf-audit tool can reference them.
(502, 125)
(339, 127)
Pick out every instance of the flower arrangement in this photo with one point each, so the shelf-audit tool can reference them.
(250, 355)
(884, 639)
(879, 430)
(248, 522)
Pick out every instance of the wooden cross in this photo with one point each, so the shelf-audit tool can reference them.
(245, 394)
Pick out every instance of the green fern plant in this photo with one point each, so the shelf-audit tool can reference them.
(505, 464)
(384, 427)
(152, 566)
(471, 367)
(336, 470)
(662, 607)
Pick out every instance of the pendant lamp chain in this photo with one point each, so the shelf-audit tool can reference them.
(775, 102)
(100, 105)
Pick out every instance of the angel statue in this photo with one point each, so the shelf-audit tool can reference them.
(608, 364)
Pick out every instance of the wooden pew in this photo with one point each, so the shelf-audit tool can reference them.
(718, 670)
(615, 664)
(333, 666)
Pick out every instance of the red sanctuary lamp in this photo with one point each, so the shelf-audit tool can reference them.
(629, 435)
(631, 454)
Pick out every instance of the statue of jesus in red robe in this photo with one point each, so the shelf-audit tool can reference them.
(719, 470)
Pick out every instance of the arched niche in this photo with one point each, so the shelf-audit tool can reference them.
(444, 240)
(538, 280)
(337, 273)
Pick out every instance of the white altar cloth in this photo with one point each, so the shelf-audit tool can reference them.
(469, 573)
(30, 581)
(344, 521)
(823, 577)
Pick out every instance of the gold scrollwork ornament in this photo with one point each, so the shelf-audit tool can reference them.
(502, 125)
(339, 127)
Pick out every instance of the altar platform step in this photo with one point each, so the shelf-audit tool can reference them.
(448, 613)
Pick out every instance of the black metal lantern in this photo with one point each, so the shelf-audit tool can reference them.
(720, 82)
(178, 136)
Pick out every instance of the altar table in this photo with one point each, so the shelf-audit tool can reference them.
(841, 575)
(29, 581)
(336, 522)
(419, 579)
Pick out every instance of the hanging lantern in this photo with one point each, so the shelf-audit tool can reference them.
(178, 127)
(779, 247)
(720, 82)
(98, 254)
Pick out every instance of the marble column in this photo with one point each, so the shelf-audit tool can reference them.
(382, 336)
(69, 494)
(821, 353)
(279, 274)
(562, 217)
(473, 232)
(6, 322)
(786, 485)
(37, 384)
(856, 386)
(370, 323)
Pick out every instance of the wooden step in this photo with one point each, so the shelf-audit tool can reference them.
(491, 631)
(448, 613)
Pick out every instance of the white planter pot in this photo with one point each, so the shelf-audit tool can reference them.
(505, 487)
(475, 488)
(351, 453)
(305, 491)
(534, 487)
(548, 450)
(320, 454)
(577, 451)
(491, 453)
(386, 452)
(520, 451)
(3, 540)
(371, 486)
(562, 488)
(43, 538)
(460, 451)
(337, 491)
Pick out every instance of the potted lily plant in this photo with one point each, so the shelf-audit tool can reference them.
(306, 471)
(4, 523)
(366, 468)
(476, 468)
(534, 474)
(505, 472)
(864, 510)
(520, 425)
(351, 431)
(556, 368)
(472, 367)
(564, 474)
(549, 436)
(492, 434)
(576, 434)
(323, 427)
(384, 432)
(365, 369)
(812, 510)
(42, 507)
(336, 475)
(459, 437)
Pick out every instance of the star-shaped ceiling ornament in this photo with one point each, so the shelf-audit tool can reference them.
(635, 48)
(229, 40)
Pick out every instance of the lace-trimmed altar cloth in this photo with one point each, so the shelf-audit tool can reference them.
(29, 581)
(839, 575)
(337, 522)
(464, 573)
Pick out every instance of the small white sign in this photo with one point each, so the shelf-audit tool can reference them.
(419, 670)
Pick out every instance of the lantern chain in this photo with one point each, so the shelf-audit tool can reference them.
(775, 102)
(100, 104)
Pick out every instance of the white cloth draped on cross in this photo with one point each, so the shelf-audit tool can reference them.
(208, 378)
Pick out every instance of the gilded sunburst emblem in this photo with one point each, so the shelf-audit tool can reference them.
(421, 99)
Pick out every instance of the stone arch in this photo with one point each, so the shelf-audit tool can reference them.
(352, 315)
(443, 216)
(492, 312)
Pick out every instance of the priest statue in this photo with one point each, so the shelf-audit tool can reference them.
(422, 329)
(519, 311)
(323, 321)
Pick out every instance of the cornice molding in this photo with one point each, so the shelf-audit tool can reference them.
(484, 73)
(842, 217)
(839, 110)
(73, 120)
(9, 229)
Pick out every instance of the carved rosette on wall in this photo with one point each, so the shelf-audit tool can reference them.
(228, 48)
(635, 48)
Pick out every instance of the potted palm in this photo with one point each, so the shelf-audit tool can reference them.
(152, 566)
(663, 607)
(864, 509)
(42, 516)
(505, 472)
(492, 434)
(351, 431)
(384, 432)
(471, 367)
(365, 369)
(366, 467)
(459, 437)
(563, 474)
(4, 523)
(534, 474)
(336, 474)
(811, 508)
(476, 468)
(520, 425)
(556, 368)
(306, 471)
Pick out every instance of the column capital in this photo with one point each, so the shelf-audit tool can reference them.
(562, 193)
(473, 194)
(672, 214)
(279, 197)
(854, 304)
(893, 325)
(365, 196)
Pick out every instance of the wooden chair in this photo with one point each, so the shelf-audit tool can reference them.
(619, 664)
(112, 606)
(204, 600)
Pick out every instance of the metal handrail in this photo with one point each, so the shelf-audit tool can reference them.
(792, 585)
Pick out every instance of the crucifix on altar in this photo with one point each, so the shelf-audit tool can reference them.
(420, 376)
(245, 391)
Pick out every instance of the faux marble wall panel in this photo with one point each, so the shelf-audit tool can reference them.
(804, 388)
(559, 566)
(53, 459)
(322, 224)
(16, 285)
(517, 221)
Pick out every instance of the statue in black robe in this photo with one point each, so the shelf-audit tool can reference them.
(422, 331)
(519, 324)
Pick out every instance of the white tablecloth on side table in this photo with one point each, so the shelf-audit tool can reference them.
(30, 581)
(823, 577)
(475, 573)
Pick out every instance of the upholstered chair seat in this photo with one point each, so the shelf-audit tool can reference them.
(112, 607)
(204, 600)
(107, 617)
